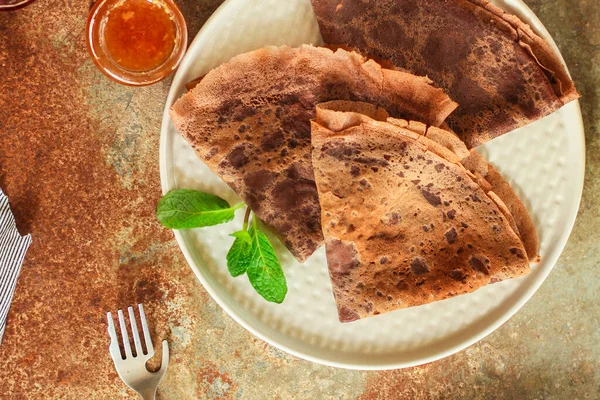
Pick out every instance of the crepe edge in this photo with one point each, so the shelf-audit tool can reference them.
(543, 54)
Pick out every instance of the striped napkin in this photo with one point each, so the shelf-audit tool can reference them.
(13, 247)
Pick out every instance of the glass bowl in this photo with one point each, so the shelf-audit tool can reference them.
(96, 45)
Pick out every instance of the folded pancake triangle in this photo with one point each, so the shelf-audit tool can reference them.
(500, 72)
(405, 223)
(249, 121)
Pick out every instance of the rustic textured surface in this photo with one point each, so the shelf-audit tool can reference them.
(79, 161)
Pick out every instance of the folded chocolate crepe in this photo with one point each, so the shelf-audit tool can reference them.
(249, 121)
(405, 223)
(493, 65)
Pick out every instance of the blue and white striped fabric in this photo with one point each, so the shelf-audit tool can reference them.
(13, 247)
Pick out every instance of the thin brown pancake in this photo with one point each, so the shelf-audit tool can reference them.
(249, 121)
(441, 141)
(502, 74)
(403, 224)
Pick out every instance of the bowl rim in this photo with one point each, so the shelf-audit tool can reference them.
(16, 6)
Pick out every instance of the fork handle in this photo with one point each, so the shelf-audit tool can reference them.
(148, 394)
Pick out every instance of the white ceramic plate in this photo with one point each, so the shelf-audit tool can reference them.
(543, 161)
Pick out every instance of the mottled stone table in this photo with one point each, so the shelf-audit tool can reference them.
(79, 161)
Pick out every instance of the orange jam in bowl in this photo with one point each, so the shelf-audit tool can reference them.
(136, 42)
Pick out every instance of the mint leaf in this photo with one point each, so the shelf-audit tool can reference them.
(264, 271)
(185, 208)
(238, 257)
(251, 251)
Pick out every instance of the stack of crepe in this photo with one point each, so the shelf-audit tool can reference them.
(329, 146)
(249, 121)
(405, 222)
(499, 71)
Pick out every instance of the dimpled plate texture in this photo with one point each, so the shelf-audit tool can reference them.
(544, 161)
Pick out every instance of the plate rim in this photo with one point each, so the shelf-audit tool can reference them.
(516, 6)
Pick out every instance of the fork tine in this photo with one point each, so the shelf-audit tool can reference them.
(147, 337)
(134, 331)
(114, 341)
(126, 344)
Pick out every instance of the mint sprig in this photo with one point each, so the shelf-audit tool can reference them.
(185, 208)
(250, 253)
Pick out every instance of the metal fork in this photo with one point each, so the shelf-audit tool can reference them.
(132, 369)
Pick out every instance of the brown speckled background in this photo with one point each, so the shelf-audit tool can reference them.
(79, 161)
